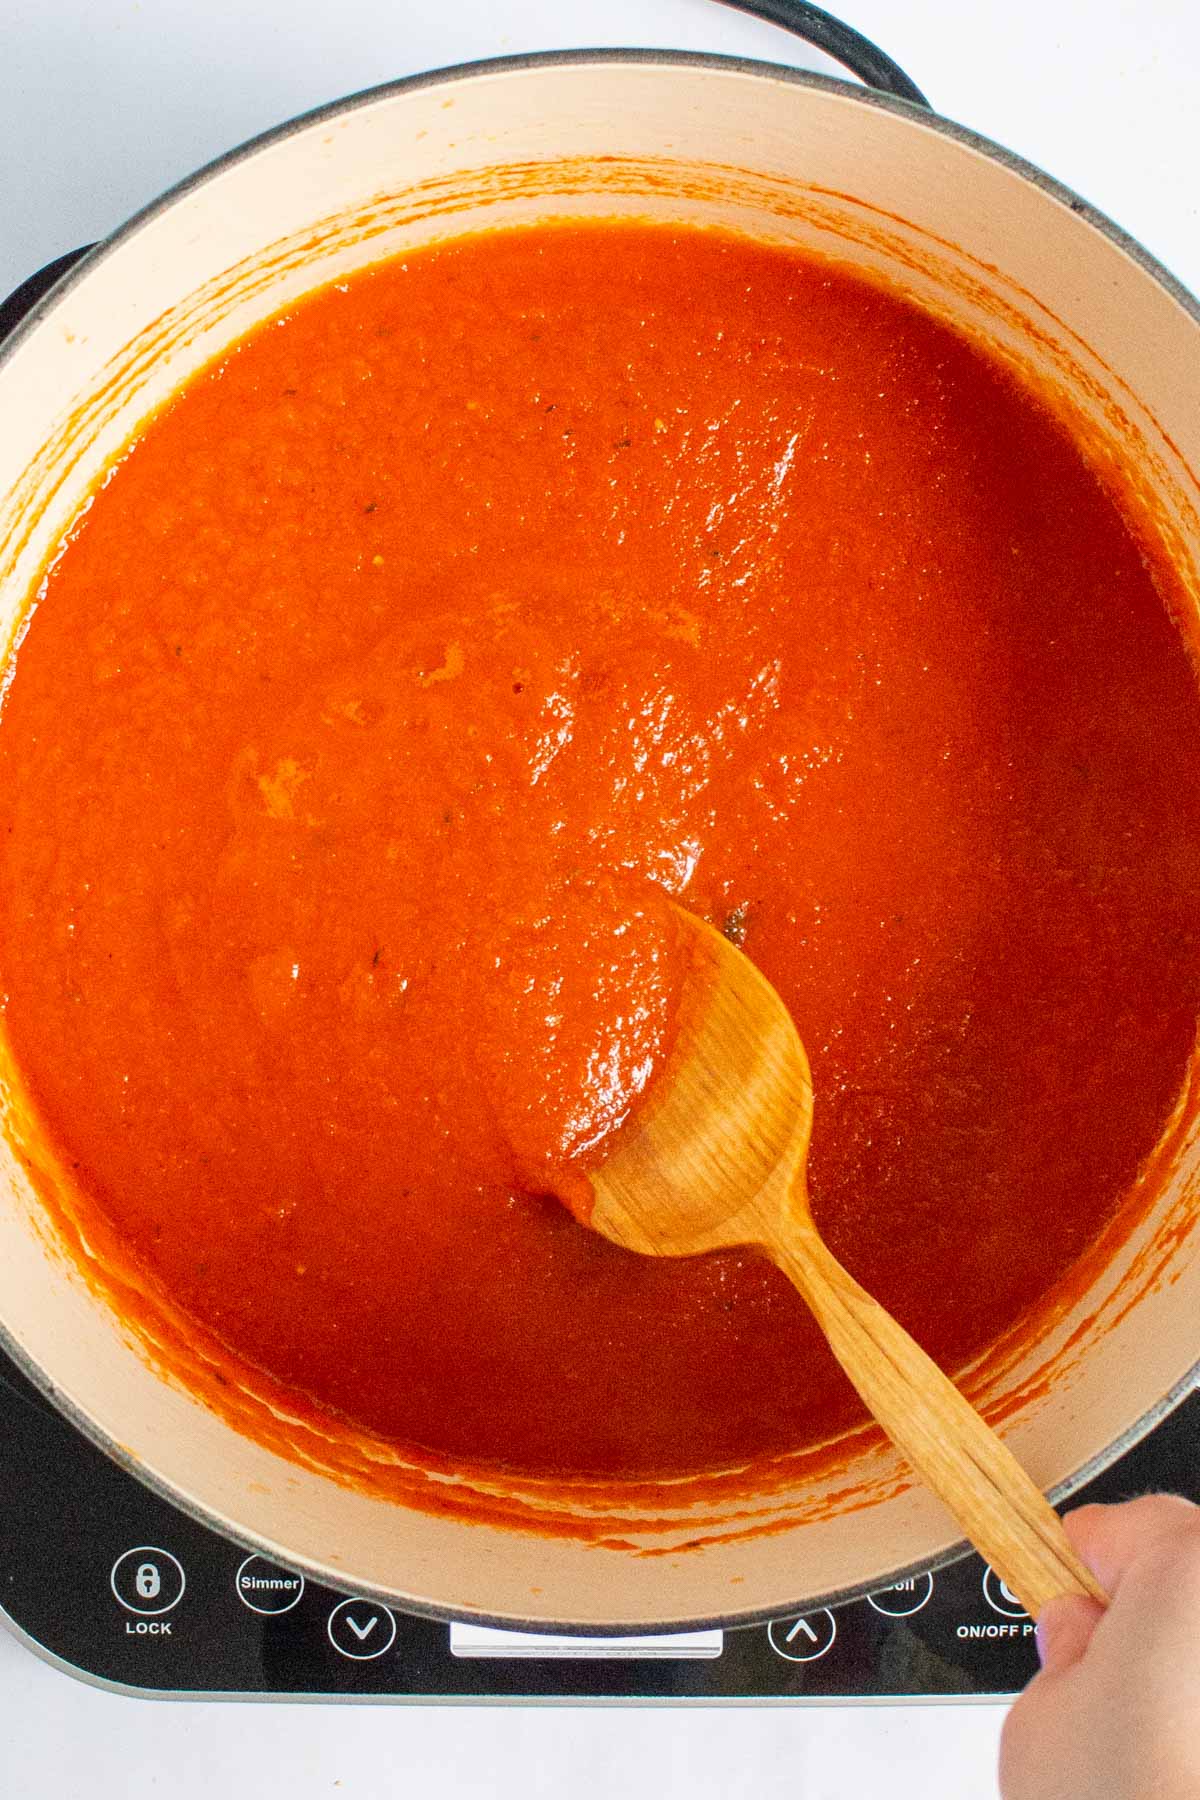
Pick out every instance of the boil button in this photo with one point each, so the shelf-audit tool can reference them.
(903, 1598)
(148, 1580)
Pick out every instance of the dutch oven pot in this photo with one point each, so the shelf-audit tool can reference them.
(883, 185)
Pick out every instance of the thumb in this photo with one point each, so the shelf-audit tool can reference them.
(1064, 1630)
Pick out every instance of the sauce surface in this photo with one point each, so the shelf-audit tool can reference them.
(403, 667)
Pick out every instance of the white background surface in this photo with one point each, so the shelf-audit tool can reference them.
(102, 104)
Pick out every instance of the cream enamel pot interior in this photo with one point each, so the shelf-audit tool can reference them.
(879, 184)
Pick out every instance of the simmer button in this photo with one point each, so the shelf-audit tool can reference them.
(267, 1588)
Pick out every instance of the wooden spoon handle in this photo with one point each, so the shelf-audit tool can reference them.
(955, 1453)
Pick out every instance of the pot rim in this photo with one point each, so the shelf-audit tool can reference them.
(922, 118)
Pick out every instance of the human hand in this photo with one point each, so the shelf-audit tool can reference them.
(1114, 1713)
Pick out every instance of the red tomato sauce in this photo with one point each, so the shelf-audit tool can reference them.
(415, 654)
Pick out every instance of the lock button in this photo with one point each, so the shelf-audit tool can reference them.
(148, 1580)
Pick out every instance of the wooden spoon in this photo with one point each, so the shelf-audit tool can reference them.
(715, 1158)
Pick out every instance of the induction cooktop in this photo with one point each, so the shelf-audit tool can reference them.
(115, 1585)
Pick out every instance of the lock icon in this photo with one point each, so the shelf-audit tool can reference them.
(148, 1581)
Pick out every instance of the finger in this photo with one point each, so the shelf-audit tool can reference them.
(1064, 1630)
(1109, 1538)
(1029, 1739)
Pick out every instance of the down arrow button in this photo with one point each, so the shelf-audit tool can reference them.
(361, 1629)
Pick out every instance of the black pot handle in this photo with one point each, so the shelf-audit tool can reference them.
(24, 298)
(842, 42)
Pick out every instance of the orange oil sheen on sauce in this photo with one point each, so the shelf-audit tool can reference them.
(415, 654)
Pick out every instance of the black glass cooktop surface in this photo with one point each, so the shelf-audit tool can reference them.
(117, 1584)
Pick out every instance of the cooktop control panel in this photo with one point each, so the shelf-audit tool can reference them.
(118, 1585)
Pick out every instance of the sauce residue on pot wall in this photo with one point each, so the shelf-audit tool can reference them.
(387, 686)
